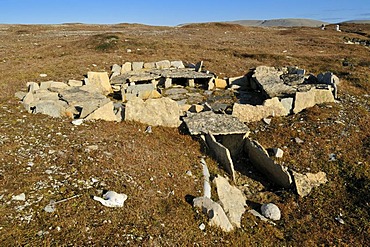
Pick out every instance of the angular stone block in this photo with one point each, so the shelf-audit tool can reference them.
(164, 64)
(155, 112)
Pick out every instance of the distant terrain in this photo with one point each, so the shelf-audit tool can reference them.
(288, 22)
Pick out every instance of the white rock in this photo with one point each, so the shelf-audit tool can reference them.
(43, 75)
(77, 121)
(271, 211)
(202, 227)
(112, 199)
(20, 197)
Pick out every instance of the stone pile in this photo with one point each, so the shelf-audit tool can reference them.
(286, 91)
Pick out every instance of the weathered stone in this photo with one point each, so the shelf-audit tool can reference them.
(164, 64)
(231, 199)
(45, 85)
(105, 112)
(53, 108)
(215, 213)
(249, 113)
(45, 95)
(32, 86)
(28, 99)
(259, 157)
(304, 183)
(137, 66)
(149, 65)
(100, 80)
(268, 79)
(116, 70)
(314, 96)
(155, 112)
(271, 211)
(75, 83)
(177, 64)
(217, 124)
(220, 83)
(221, 154)
(126, 67)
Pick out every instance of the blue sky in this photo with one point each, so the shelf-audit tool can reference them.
(174, 12)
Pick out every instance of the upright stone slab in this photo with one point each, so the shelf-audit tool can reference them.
(164, 64)
(240, 82)
(177, 64)
(100, 80)
(149, 65)
(116, 70)
(126, 67)
(32, 86)
(231, 199)
(155, 112)
(221, 154)
(260, 159)
(137, 66)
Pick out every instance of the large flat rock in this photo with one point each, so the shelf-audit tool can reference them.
(156, 112)
(217, 124)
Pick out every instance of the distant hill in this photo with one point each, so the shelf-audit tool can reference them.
(358, 21)
(280, 23)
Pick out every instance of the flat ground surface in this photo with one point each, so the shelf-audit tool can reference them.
(50, 159)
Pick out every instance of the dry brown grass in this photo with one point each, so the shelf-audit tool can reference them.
(128, 158)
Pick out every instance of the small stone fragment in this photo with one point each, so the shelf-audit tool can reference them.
(202, 227)
(20, 197)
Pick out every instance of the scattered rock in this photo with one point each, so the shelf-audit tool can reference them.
(20, 197)
(148, 130)
(271, 211)
(105, 112)
(267, 120)
(298, 140)
(304, 183)
(314, 96)
(277, 152)
(202, 227)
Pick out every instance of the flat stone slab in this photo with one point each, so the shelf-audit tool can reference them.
(218, 124)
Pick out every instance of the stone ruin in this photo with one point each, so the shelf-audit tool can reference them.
(168, 93)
